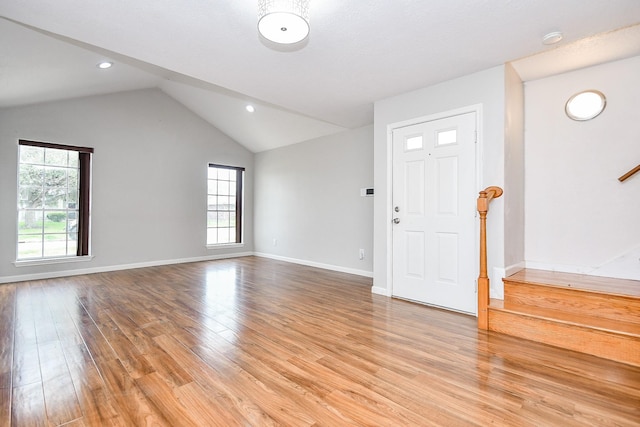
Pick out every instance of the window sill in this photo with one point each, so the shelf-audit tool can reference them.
(226, 246)
(49, 261)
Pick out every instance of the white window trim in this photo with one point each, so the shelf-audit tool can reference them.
(225, 245)
(51, 261)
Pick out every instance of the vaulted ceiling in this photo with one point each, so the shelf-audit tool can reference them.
(208, 55)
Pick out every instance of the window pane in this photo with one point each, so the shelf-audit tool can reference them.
(56, 157)
(72, 229)
(30, 247)
(223, 203)
(72, 199)
(30, 197)
(55, 222)
(31, 175)
(211, 202)
(72, 245)
(447, 137)
(413, 143)
(223, 219)
(30, 221)
(212, 187)
(223, 235)
(223, 188)
(55, 187)
(31, 154)
(212, 219)
(212, 236)
(55, 245)
(73, 159)
(212, 173)
(72, 176)
(223, 174)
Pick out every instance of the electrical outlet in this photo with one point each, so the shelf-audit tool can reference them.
(361, 254)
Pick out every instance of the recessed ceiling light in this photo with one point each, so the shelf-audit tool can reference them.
(552, 38)
(250, 108)
(105, 64)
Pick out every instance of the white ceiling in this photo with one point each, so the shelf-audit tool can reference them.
(208, 56)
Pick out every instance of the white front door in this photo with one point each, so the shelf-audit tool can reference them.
(434, 205)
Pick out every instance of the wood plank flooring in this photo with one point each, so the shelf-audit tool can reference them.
(257, 342)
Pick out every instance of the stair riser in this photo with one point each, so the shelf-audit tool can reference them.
(613, 307)
(603, 344)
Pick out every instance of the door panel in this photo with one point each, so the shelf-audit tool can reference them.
(414, 188)
(415, 254)
(447, 186)
(434, 205)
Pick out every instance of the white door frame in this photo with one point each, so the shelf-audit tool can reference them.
(477, 109)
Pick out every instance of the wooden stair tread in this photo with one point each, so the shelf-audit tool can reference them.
(584, 320)
(606, 285)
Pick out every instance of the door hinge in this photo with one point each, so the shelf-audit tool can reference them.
(476, 137)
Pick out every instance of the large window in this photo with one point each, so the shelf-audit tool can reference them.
(224, 204)
(53, 200)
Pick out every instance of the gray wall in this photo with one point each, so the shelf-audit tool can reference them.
(307, 197)
(149, 178)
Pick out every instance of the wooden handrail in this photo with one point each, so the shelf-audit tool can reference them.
(629, 174)
(484, 199)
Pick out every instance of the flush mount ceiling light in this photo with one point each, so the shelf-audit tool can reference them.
(104, 65)
(250, 108)
(585, 105)
(552, 38)
(283, 21)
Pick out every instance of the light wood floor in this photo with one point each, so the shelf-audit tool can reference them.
(257, 342)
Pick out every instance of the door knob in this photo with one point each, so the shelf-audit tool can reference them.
(396, 220)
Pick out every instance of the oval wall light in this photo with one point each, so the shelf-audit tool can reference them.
(585, 105)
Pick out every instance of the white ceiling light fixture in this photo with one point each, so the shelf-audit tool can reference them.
(104, 65)
(585, 105)
(552, 38)
(283, 21)
(250, 108)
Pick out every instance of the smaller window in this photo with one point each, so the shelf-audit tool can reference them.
(224, 204)
(413, 143)
(447, 137)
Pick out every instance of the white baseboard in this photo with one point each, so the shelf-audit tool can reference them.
(380, 291)
(65, 273)
(514, 268)
(623, 268)
(564, 268)
(338, 268)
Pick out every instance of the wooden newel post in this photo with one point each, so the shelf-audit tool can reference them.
(484, 199)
